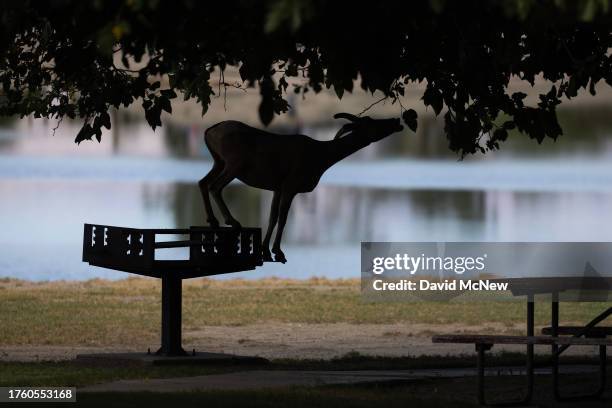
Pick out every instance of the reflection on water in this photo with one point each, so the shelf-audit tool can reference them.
(42, 221)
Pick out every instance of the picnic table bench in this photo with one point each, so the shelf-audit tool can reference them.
(579, 331)
(490, 340)
(558, 337)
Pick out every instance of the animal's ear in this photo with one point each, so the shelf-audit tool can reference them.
(348, 116)
(349, 127)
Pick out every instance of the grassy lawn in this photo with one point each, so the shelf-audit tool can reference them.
(52, 374)
(425, 393)
(99, 312)
(80, 374)
(458, 392)
(419, 393)
(71, 373)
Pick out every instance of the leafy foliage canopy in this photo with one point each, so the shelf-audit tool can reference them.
(64, 58)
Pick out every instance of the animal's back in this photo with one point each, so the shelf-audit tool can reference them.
(232, 136)
(261, 159)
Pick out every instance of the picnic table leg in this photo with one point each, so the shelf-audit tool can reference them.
(554, 331)
(603, 367)
(480, 368)
(530, 347)
(480, 365)
(171, 316)
(556, 351)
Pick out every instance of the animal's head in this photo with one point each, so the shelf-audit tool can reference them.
(372, 129)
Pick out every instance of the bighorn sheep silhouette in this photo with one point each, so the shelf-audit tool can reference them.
(284, 164)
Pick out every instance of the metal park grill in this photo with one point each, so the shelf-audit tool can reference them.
(212, 251)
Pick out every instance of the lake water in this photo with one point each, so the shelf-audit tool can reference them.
(48, 193)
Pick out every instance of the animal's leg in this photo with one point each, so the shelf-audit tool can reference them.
(204, 189)
(216, 188)
(283, 211)
(271, 224)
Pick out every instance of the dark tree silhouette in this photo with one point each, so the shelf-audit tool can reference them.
(60, 58)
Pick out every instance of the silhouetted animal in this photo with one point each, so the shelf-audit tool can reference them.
(284, 164)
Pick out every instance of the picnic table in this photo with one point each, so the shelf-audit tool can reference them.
(559, 338)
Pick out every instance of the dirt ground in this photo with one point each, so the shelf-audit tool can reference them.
(296, 341)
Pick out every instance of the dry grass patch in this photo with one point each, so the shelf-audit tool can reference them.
(127, 312)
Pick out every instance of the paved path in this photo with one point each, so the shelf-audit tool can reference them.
(257, 379)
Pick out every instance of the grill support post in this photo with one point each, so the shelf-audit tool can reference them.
(171, 316)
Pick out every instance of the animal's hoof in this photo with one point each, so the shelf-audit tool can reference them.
(280, 257)
(234, 224)
(267, 256)
(213, 223)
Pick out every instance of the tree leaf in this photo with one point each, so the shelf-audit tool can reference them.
(165, 104)
(266, 111)
(105, 120)
(410, 119)
(85, 133)
(339, 90)
(433, 98)
(500, 134)
(168, 93)
(153, 117)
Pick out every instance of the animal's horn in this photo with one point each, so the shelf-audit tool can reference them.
(348, 116)
(344, 130)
